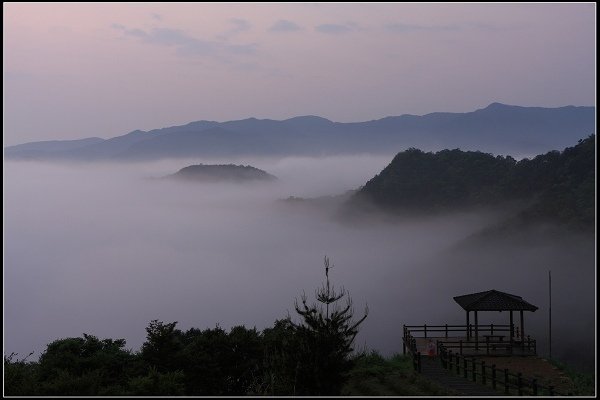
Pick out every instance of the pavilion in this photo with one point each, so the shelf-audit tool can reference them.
(494, 300)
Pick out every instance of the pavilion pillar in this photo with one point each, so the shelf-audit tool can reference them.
(512, 328)
(476, 332)
(467, 329)
(522, 330)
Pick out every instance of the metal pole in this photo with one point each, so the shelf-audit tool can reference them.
(550, 314)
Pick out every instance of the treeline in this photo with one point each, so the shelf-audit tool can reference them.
(559, 186)
(312, 357)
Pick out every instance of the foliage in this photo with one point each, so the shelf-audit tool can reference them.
(312, 357)
(20, 376)
(325, 337)
(559, 185)
(282, 361)
(584, 383)
(84, 366)
(157, 384)
(219, 363)
(374, 375)
(163, 345)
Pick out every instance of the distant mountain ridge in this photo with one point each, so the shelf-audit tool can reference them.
(497, 128)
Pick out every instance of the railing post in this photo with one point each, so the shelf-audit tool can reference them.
(457, 364)
(460, 348)
(494, 376)
(483, 372)
(519, 384)
(505, 381)
(487, 345)
(404, 339)
(491, 329)
(534, 386)
(425, 330)
(446, 331)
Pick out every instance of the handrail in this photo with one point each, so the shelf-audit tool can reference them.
(410, 343)
(453, 326)
(489, 344)
(467, 329)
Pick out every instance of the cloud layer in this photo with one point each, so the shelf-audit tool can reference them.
(187, 44)
(100, 249)
(283, 25)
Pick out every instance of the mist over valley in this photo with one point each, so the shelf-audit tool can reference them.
(298, 199)
(98, 248)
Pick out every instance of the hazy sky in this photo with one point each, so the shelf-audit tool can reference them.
(81, 70)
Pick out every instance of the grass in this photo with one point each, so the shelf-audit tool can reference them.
(374, 375)
(584, 383)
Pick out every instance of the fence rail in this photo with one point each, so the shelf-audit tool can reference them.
(491, 346)
(468, 330)
(489, 337)
(499, 379)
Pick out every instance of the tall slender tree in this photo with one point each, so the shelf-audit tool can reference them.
(326, 333)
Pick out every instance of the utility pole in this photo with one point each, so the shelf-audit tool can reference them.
(550, 313)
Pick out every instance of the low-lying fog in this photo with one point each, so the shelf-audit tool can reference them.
(100, 249)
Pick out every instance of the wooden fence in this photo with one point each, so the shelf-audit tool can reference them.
(491, 346)
(409, 343)
(499, 379)
(492, 338)
(449, 330)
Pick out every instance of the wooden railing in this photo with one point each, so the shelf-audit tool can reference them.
(448, 330)
(491, 346)
(409, 343)
(499, 379)
(489, 337)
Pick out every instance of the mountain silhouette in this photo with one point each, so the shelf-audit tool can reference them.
(497, 128)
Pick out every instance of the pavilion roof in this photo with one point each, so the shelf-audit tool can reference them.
(493, 300)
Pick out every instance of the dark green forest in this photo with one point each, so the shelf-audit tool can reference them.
(556, 186)
(310, 357)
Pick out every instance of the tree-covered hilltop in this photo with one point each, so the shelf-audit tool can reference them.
(558, 186)
(309, 357)
(222, 173)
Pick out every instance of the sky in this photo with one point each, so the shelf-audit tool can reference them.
(75, 70)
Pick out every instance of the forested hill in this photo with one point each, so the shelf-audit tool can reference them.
(222, 173)
(559, 185)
